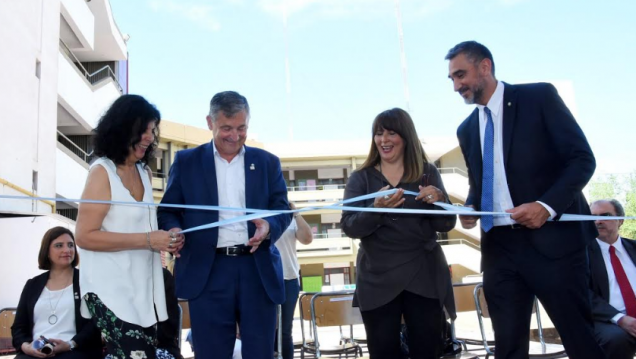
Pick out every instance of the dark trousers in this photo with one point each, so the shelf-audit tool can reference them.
(292, 289)
(233, 294)
(617, 343)
(514, 272)
(423, 318)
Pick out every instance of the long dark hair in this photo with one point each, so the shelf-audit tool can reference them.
(400, 122)
(122, 126)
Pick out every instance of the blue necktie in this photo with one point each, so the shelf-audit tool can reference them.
(488, 172)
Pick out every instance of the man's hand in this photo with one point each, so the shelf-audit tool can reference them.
(468, 222)
(262, 230)
(532, 215)
(628, 324)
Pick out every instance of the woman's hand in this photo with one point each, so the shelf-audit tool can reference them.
(166, 241)
(430, 195)
(60, 346)
(395, 200)
(28, 349)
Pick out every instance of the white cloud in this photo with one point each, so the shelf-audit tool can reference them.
(201, 15)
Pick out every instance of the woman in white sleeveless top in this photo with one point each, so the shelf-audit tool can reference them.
(121, 278)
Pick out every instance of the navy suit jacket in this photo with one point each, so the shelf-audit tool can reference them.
(602, 311)
(546, 158)
(192, 181)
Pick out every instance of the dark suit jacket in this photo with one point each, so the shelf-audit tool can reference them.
(192, 181)
(88, 338)
(546, 157)
(602, 311)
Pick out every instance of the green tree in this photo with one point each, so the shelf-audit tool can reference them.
(628, 229)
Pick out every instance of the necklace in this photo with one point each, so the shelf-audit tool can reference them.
(130, 190)
(53, 317)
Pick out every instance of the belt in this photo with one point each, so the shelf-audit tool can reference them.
(511, 226)
(233, 251)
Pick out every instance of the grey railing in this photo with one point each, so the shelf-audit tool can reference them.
(90, 76)
(77, 150)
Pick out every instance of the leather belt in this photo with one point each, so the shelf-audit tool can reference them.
(233, 251)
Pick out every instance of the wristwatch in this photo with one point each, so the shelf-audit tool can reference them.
(71, 344)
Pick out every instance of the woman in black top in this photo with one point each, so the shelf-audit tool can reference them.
(401, 269)
(50, 305)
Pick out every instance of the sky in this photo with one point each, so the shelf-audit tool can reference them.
(345, 67)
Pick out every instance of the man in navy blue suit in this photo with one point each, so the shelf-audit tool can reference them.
(229, 274)
(613, 271)
(527, 156)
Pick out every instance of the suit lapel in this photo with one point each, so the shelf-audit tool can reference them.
(209, 170)
(630, 247)
(250, 169)
(509, 118)
(599, 271)
(475, 149)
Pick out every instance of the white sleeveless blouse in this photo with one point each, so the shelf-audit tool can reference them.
(128, 282)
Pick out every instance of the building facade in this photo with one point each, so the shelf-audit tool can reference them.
(64, 62)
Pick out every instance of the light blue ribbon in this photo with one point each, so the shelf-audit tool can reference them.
(448, 209)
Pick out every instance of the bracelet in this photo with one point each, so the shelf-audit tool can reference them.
(148, 240)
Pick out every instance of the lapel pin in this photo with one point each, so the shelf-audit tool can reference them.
(252, 167)
(509, 104)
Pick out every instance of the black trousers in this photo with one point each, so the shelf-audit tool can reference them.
(423, 318)
(514, 272)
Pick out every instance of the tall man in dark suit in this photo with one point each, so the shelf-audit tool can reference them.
(613, 270)
(527, 156)
(231, 273)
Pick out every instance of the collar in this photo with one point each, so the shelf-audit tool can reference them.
(618, 245)
(494, 104)
(216, 152)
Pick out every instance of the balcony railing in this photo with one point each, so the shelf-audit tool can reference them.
(91, 77)
(320, 187)
(459, 241)
(77, 150)
(456, 170)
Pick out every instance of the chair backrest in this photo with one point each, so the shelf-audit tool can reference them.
(185, 314)
(334, 309)
(7, 316)
(479, 295)
(464, 300)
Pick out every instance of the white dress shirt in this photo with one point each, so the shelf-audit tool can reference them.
(616, 298)
(502, 200)
(230, 183)
(286, 245)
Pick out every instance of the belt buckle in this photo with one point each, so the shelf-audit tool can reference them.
(516, 226)
(231, 254)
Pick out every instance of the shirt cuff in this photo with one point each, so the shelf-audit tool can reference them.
(552, 212)
(617, 317)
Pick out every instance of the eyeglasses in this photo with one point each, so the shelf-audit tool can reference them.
(606, 214)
